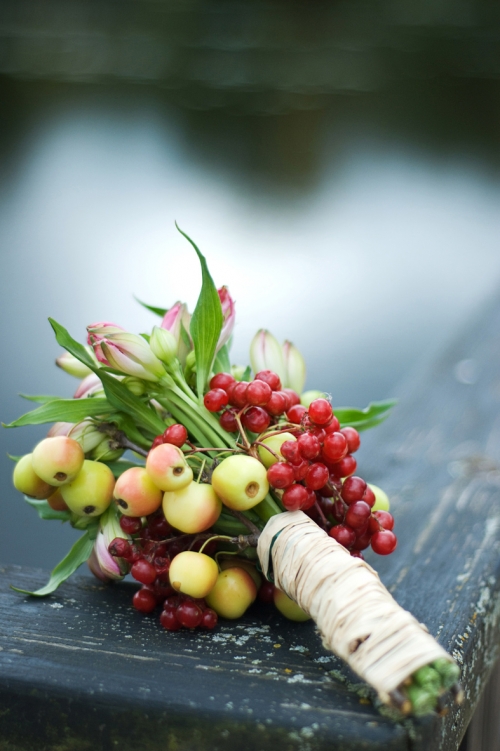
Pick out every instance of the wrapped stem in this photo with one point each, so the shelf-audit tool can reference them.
(357, 617)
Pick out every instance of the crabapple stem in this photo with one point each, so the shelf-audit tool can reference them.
(121, 440)
(201, 470)
(259, 443)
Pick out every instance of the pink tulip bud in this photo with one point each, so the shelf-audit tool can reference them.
(60, 428)
(266, 354)
(99, 331)
(128, 353)
(102, 563)
(228, 311)
(177, 320)
(88, 387)
(71, 365)
(295, 368)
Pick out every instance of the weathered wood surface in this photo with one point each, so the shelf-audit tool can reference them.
(81, 670)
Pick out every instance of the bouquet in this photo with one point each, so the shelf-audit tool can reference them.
(213, 484)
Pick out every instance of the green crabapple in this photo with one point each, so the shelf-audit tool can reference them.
(57, 459)
(91, 492)
(192, 509)
(27, 481)
(240, 481)
(193, 574)
(233, 593)
(168, 468)
(288, 607)
(381, 499)
(275, 443)
(136, 494)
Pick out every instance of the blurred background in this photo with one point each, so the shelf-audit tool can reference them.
(337, 162)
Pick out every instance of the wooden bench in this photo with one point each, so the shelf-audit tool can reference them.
(81, 670)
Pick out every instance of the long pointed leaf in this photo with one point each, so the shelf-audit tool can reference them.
(63, 410)
(362, 419)
(158, 311)
(222, 363)
(206, 323)
(44, 511)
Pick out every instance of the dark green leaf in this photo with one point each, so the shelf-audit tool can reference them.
(159, 311)
(122, 399)
(185, 336)
(247, 373)
(147, 337)
(75, 348)
(222, 363)
(63, 410)
(119, 467)
(206, 323)
(41, 399)
(44, 511)
(78, 554)
(126, 423)
(362, 419)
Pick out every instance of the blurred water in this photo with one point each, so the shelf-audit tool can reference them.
(366, 235)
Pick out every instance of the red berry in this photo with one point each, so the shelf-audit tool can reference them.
(363, 540)
(335, 447)
(287, 398)
(319, 433)
(238, 394)
(353, 489)
(266, 592)
(317, 475)
(294, 497)
(189, 614)
(228, 421)
(357, 514)
(258, 393)
(159, 528)
(280, 475)
(256, 419)
(293, 396)
(332, 427)
(384, 542)
(130, 524)
(209, 619)
(176, 434)
(295, 413)
(136, 554)
(215, 399)
(120, 548)
(268, 376)
(158, 441)
(309, 446)
(168, 620)
(385, 519)
(144, 601)
(290, 451)
(320, 411)
(310, 500)
(276, 404)
(143, 572)
(300, 470)
(338, 512)
(369, 496)
(353, 439)
(344, 535)
(345, 467)
(357, 554)
(222, 381)
(162, 567)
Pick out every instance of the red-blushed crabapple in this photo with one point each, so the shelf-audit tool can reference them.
(233, 593)
(57, 460)
(91, 492)
(192, 509)
(234, 562)
(274, 443)
(27, 481)
(57, 502)
(167, 467)
(240, 481)
(288, 607)
(193, 574)
(136, 494)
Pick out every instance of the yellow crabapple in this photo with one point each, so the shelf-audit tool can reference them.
(136, 494)
(233, 593)
(234, 562)
(193, 574)
(275, 443)
(167, 467)
(240, 481)
(288, 607)
(381, 499)
(193, 508)
(57, 459)
(91, 492)
(28, 482)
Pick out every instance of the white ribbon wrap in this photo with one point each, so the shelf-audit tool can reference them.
(357, 617)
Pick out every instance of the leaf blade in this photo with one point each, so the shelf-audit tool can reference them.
(44, 511)
(63, 410)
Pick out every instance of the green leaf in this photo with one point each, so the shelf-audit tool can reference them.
(63, 410)
(118, 395)
(44, 511)
(247, 373)
(362, 419)
(41, 399)
(78, 554)
(126, 423)
(158, 311)
(222, 364)
(119, 467)
(185, 336)
(14, 458)
(206, 323)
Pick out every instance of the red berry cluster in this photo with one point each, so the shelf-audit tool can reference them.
(256, 402)
(150, 554)
(175, 434)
